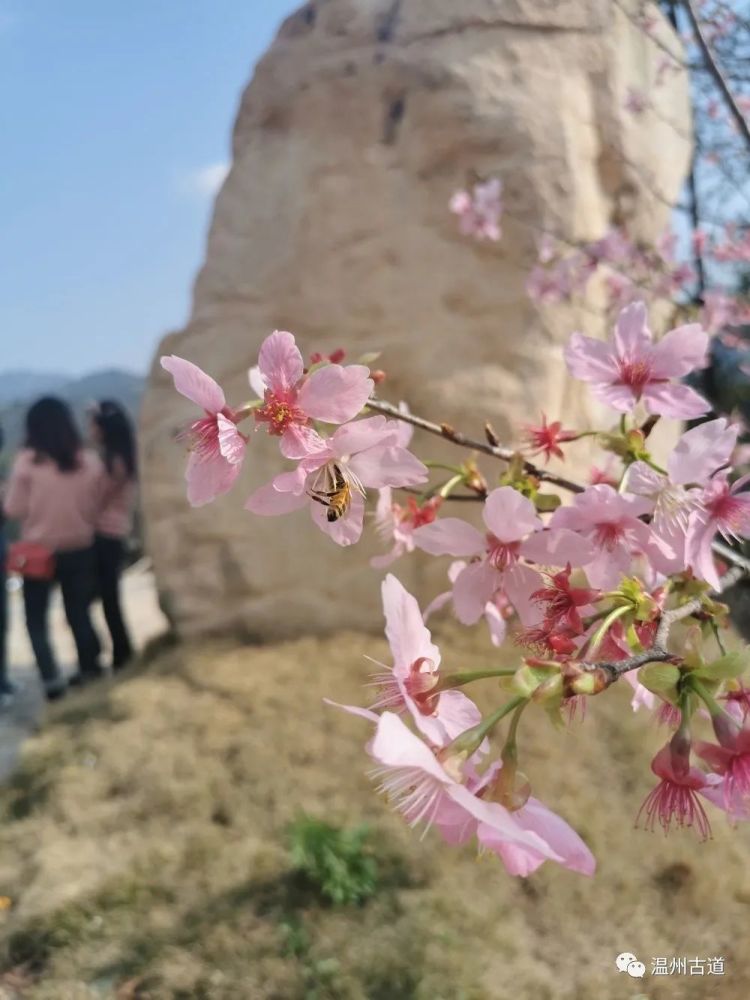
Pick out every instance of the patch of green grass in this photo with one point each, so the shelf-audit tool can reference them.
(337, 862)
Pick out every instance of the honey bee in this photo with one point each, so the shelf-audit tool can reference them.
(337, 497)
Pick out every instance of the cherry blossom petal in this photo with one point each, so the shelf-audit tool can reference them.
(701, 451)
(231, 442)
(680, 351)
(280, 361)
(677, 401)
(562, 838)
(208, 478)
(192, 382)
(269, 502)
(519, 583)
(362, 713)
(619, 397)
(509, 515)
(299, 441)
(557, 547)
(632, 335)
(335, 394)
(388, 465)
(257, 382)
(349, 439)
(437, 604)
(473, 588)
(496, 623)
(405, 630)
(449, 536)
(588, 359)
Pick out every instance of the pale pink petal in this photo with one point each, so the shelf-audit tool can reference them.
(473, 588)
(519, 583)
(457, 713)
(557, 547)
(269, 502)
(607, 568)
(563, 839)
(449, 536)
(394, 745)
(701, 451)
(644, 480)
(405, 630)
(335, 394)
(679, 402)
(388, 465)
(231, 442)
(619, 397)
(437, 604)
(501, 821)
(257, 382)
(208, 478)
(509, 515)
(348, 529)
(680, 352)
(518, 859)
(496, 624)
(698, 550)
(590, 360)
(192, 381)
(298, 441)
(632, 335)
(362, 713)
(642, 697)
(280, 361)
(351, 438)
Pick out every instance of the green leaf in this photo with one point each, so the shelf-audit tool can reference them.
(726, 667)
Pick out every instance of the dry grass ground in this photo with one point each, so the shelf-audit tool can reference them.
(143, 846)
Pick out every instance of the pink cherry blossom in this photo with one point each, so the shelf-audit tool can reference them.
(496, 611)
(607, 522)
(479, 210)
(633, 369)
(675, 798)
(396, 523)
(509, 518)
(725, 510)
(333, 394)
(366, 453)
(217, 448)
(423, 791)
(732, 763)
(699, 453)
(410, 683)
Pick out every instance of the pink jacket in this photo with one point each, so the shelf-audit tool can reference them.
(116, 503)
(56, 509)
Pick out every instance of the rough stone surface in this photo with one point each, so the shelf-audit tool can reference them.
(359, 123)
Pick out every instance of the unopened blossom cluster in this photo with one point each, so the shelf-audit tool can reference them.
(574, 585)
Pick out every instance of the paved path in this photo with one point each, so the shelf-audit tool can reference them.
(144, 618)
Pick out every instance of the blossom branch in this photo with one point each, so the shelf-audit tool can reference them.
(716, 72)
(449, 433)
(610, 671)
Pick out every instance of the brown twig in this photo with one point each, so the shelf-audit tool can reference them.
(610, 671)
(716, 72)
(449, 433)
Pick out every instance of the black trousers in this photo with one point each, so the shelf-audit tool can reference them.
(3, 615)
(75, 572)
(110, 557)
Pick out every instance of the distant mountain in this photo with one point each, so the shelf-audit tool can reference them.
(18, 389)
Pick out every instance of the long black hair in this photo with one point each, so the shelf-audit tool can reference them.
(51, 432)
(117, 436)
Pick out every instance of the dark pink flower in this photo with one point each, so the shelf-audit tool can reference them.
(675, 798)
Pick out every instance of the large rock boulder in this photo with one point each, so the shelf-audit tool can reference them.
(359, 123)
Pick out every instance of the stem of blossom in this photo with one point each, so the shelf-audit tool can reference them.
(612, 617)
(468, 676)
(455, 753)
(446, 488)
(609, 672)
(648, 425)
(725, 727)
(717, 636)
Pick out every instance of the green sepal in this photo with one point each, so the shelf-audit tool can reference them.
(726, 668)
(661, 679)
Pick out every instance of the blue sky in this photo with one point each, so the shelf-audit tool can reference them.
(116, 122)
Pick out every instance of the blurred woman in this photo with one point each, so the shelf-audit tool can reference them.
(6, 688)
(112, 432)
(53, 491)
